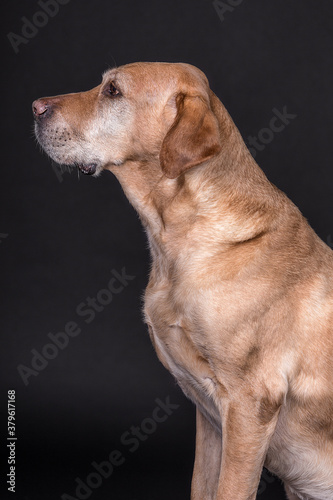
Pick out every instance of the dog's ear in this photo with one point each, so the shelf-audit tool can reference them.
(192, 139)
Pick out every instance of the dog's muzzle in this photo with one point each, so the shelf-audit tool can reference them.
(55, 142)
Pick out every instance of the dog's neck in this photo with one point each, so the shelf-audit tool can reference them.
(228, 196)
(212, 207)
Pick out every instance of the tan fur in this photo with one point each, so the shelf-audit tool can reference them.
(239, 303)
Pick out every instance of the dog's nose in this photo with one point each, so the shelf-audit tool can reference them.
(40, 108)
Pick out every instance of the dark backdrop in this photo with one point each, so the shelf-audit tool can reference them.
(61, 236)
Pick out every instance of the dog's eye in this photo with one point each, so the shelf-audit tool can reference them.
(112, 90)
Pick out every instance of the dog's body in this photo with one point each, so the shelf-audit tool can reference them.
(239, 303)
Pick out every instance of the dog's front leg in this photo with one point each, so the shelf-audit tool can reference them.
(247, 425)
(207, 465)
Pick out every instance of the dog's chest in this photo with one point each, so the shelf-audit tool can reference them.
(179, 353)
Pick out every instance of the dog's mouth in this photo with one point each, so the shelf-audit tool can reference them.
(89, 169)
(57, 148)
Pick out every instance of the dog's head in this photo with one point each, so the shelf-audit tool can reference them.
(139, 112)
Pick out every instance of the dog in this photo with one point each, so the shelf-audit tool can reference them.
(239, 304)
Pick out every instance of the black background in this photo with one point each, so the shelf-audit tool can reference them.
(64, 234)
